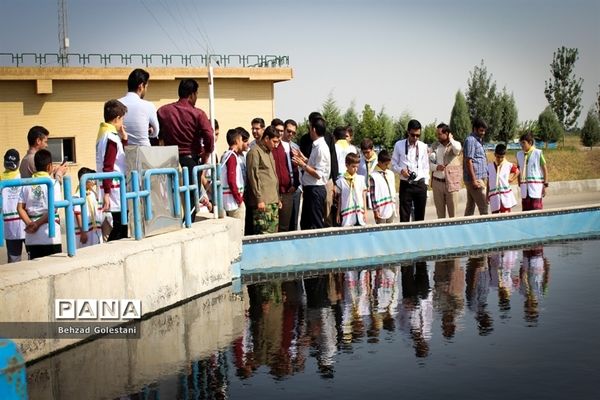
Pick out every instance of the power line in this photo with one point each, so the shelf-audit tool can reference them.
(161, 26)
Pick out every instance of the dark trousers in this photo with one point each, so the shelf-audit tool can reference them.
(42, 250)
(295, 211)
(312, 207)
(190, 162)
(119, 231)
(414, 194)
(14, 248)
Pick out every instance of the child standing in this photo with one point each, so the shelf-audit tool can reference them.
(14, 227)
(233, 177)
(33, 210)
(533, 179)
(110, 157)
(351, 194)
(92, 234)
(382, 190)
(500, 175)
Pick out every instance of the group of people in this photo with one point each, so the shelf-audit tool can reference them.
(266, 180)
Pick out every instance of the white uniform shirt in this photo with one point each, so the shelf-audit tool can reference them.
(320, 160)
(140, 115)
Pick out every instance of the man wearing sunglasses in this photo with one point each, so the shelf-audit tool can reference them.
(411, 161)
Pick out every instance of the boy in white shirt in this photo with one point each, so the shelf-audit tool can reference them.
(93, 233)
(33, 210)
(500, 175)
(14, 228)
(351, 192)
(382, 190)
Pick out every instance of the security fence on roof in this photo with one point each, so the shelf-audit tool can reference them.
(139, 59)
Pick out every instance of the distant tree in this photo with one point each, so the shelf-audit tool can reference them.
(331, 113)
(508, 118)
(368, 127)
(350, 117)
(590, 133)
(386, 126)
(428, 133)
(563, 90)
(550, 128)
(528, 126)
(302, 130)
(481, 99)
(460, 122)
(401, 126)
(598, 102)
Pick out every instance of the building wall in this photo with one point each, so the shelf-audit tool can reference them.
(74, 106)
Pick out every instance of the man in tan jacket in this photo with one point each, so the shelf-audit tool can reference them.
(447, 169)
(263, 194)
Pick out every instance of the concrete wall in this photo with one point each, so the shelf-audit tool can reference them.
(160, 271)
(170, 343)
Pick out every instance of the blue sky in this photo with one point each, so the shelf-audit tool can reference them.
(402, 55)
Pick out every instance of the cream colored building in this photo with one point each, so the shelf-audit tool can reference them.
(68, 101)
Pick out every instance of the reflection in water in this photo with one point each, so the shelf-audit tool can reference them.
(321, 317)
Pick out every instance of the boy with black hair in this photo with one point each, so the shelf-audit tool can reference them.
(92, 234)
(533, 179)
(500, 175)
(382, 190)
(110, 156)
(351, 192)
(233, 176)
(33, 210)
(14, 228)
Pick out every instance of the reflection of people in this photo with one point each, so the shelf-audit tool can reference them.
(501, 266)
(534, 273)
(448, 298)
(416, 311)
(478, 286)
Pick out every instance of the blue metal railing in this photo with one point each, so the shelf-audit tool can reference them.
(162, 60)
(135, 195)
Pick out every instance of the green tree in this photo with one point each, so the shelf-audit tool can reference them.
(508, 117)
(401, 126)
(481, 99)
(549, 127)
(590, 134)
(386, 126)
(368, 127)
(350, 117)
(302, 130)
(528, 126)
(428, 133)
(563, 90)
(598, 102)
(460, 122)
(331, 113)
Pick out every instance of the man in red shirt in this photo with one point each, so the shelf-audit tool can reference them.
(187, 127)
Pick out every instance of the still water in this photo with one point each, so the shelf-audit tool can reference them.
(517, 323)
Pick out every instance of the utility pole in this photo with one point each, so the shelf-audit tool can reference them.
(63, 39)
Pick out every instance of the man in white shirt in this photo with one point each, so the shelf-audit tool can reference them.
(141, 120)
(411, 161)
(316, 174)
(447, 172)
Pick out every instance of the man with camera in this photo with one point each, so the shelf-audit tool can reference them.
(411, 161)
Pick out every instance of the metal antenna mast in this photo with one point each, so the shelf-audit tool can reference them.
(63, 39)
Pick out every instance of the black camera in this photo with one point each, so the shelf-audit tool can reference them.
(412, 175)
